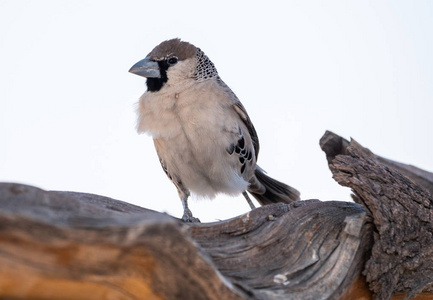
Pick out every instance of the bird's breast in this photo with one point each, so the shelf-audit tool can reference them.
(192, 131)
(196, 112)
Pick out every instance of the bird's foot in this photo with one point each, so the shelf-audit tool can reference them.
(188, 217)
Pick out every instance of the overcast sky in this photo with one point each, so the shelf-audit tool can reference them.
(362, 69)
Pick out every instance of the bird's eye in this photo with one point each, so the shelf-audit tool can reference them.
(172, 60)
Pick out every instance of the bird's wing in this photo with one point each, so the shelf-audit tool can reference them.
(241, 111)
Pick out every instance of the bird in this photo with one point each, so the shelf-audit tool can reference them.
(203, 135)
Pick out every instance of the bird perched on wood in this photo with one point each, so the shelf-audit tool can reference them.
(203, 136)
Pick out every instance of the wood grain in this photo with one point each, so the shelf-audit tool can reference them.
(62, 245)
(65, 245)
(401, 205)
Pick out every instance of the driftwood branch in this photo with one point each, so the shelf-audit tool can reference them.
(309, 250)
(64, 245)
(399, 198)
(57, 243)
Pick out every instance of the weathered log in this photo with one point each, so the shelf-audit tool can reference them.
(308, 250)
(63, 245)
(57, 245)
(333, 145)
(79, 246)
(399, 200)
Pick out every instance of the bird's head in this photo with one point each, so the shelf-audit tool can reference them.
(173, 60)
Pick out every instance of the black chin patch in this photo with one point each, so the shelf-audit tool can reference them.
(155, 84)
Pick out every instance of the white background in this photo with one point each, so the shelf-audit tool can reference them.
(362, 69)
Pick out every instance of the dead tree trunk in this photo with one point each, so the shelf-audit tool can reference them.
(73, 245)
(399, 198)
(64, 245)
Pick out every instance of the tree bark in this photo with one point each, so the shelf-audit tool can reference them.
(308, 250)
(72, 245)
(398, 197)
(65, 245)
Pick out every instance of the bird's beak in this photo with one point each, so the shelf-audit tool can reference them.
(146, 68)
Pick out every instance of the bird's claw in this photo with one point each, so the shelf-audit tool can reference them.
(188, 217)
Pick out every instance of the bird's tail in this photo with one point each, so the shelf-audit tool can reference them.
(275, 191)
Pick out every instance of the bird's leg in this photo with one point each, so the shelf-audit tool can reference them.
(184, 194)
(248, 199)
(187, 214)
